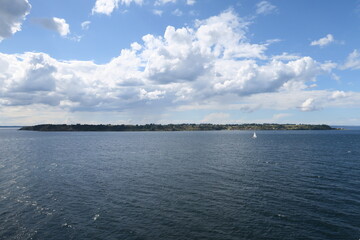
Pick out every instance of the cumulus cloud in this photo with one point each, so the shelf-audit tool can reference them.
(12, 13)
(151, 95)
(28, 79)
(108, 6)
(247, 77)
(339, 94)
(225, 35)
(85, 25)
(308, 105)
(322, 42)
(211, 63)
(176, 57)
(58, 25)
(105, 6)
(265, 8)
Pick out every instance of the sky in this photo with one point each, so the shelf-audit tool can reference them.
(179, 61)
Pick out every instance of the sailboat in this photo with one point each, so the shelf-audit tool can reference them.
(254, 135)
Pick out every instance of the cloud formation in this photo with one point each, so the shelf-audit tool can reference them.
(247, 77)
(58, 25)
(12, 13)
(322, 42)
(352, 61)
(265, 8)
(212, 64)
(163, 2)
(108, 6)
(85, 25)
(308, 105)
(157, 12)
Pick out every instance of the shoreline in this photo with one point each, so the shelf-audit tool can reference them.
(173, 127)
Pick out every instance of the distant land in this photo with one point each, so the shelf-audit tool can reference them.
(176, 127)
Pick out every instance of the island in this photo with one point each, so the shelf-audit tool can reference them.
(175, 127)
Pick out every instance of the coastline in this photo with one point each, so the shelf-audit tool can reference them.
(175, 127)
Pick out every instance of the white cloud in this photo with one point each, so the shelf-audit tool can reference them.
(12, 13)
(177, 12)
(265, 7)
(151, 95)
(352, 61)
(308, 105)
(225, 35)
(128, 2)
(108, 6)
(322, 42)
(163, 2)
(247, 77)
(278, 101)
(105, 6)
(190, 2)
(28, 79)
(286, 57)
(176, 57)
(338, 94)
(209, 65)
(58, 25)
(306, 100)
(85, 25)
(157, 12)
(136, 46)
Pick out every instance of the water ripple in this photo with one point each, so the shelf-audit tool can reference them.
(180, 185)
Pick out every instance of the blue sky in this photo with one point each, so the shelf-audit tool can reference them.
(175, 61)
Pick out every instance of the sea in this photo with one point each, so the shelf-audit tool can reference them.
(211, 185)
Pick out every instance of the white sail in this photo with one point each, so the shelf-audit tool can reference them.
(254, 136)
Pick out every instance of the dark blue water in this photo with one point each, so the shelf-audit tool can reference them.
(180, 185)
